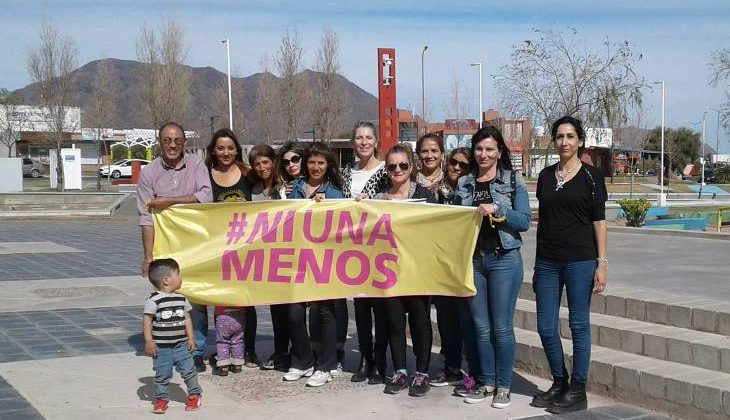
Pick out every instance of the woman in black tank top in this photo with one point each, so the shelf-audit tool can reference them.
(229, 180)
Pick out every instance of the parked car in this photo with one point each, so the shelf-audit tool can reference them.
(32, 168)
(121, 168)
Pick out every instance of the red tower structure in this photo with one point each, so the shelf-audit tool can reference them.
(387, 111)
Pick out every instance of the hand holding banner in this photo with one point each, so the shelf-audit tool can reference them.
(241, 254)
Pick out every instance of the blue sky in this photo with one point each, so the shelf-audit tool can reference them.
(676, 39)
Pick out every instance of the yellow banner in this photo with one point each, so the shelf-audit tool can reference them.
(255, 253)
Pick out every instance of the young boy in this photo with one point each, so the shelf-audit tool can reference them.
(168, 334)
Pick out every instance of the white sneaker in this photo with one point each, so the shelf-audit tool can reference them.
(319, 378)
(295, 374)
(337, 371)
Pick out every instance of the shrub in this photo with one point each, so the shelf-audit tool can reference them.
(635, 210)
(723, 174)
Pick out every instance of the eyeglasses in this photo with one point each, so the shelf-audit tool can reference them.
(167, 140)
(294, 159)
(402, 165)
(462, 165)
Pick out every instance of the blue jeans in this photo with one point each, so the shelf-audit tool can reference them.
(497, 277)
(548, 281)
(199, 318)
(179, 357)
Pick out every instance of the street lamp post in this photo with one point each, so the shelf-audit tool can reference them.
(702, 158)
(717, 134)
(230, 98)
(423, 89)
(479, 115)
(662, 198)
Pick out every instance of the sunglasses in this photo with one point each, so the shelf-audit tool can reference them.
(403, 166)
(462, 165)
(294, 159)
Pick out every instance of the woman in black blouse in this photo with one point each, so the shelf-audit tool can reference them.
(571, 252)
(229, 179)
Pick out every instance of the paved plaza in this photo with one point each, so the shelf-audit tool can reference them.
(70, 325)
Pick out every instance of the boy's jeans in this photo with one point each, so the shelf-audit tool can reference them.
(179, 357)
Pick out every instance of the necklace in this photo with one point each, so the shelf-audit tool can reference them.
(561, 178)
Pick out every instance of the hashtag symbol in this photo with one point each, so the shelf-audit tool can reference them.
(236, 228)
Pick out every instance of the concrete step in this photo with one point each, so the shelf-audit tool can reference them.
(685, 391)
(663, 342)
(706, 315)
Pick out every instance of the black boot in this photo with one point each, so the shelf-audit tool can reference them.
(377, 374)
(573, 400)
(362, 371)
(559, 388)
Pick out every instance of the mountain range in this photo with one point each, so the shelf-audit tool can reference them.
(206, 86)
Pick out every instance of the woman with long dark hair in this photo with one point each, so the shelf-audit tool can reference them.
(571, 253)
(320, 179)
(266, 184)
(228, 177)
(447, 307)
(364, 178)
(500, 196)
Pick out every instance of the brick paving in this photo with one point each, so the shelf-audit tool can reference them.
(112, 248)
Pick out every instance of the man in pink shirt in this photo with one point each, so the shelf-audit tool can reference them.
(173, 178)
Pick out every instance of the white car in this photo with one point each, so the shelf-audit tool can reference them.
(121, 168)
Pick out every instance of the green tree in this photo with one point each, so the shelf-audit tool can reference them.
(681, 146)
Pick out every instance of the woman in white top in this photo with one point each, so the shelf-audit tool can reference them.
(365, 178)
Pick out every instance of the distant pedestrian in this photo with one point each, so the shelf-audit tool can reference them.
(173, 178)
(168, 335)
(571, 253)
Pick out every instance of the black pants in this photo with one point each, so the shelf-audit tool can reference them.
(341, 319)
(280, 325)
(249, 330)
(419, 321)
(447, 317)
(301, 355)
(368, 310)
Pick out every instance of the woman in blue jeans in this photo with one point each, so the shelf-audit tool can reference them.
(500, 195)
(571, 253)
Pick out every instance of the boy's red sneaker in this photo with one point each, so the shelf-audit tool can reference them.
(160, 406)
(193, 403)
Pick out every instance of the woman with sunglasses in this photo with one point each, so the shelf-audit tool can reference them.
(364, 178)
(403, 186)
(447, 307)
(290, 163)
(500, 196)
(266, 184)
(320, 180)
(430, 148)
(228, 177)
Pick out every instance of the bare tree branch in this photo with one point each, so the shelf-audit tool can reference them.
(51, 66)
(329, 106)
(292, 91)
(165, 78)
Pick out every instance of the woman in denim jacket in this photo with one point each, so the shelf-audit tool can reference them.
(320, 180)
(500, 195)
